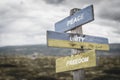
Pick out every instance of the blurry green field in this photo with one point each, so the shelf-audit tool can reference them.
(43, 68)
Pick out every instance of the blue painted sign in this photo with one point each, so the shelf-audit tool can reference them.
(79, 18)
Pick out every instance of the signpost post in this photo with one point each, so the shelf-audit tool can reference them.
(77, 74)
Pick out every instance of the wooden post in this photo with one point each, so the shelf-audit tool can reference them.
(78, 74)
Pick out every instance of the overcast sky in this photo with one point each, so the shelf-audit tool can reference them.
(25, 22)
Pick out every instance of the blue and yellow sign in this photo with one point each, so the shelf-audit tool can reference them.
(65, 40)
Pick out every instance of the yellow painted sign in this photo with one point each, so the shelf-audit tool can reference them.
(74, 62)
(77, 45)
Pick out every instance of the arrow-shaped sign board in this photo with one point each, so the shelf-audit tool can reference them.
(79, 18)
(74, 62)
(66, 40)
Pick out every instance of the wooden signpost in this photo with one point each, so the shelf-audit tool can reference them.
(80, 73)
(76, 40)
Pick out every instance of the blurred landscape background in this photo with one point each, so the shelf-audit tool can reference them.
(25, 22)
(37, 62)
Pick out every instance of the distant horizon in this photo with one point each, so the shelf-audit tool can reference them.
(35, 44)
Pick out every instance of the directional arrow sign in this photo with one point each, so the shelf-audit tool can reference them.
(65, 40)
(79, 18)
(74, 62)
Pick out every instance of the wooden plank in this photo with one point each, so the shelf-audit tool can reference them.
(76, 41)
(78, 61)
(76, 45)
(76, 37)
(79, 18)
